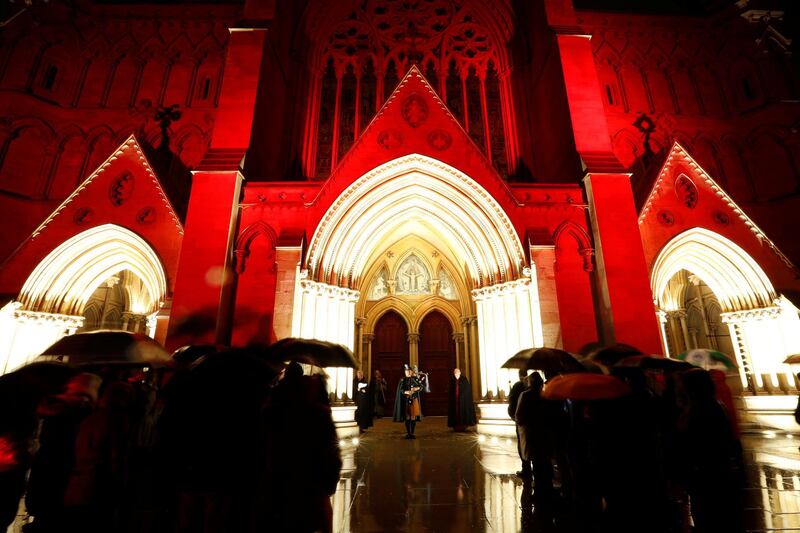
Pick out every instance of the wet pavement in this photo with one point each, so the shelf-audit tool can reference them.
(445, 481)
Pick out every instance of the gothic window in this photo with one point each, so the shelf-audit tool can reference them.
(363, 58)
(205, 89)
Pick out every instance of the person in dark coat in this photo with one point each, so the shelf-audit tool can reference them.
(406, 404)
(302, 460)
(534, 441)
(460, 409)
(513, 398)
(378, 387)
(363, 400)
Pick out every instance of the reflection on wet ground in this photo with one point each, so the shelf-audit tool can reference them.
(445, 481)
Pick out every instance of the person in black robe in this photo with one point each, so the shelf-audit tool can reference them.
(379, 390)
(460, 409)
(362, 395)
(406, 404)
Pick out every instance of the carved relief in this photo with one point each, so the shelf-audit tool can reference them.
(390, 139)
(447, 289)
(380, 287)
(84, 215)
(665, 217)
(721, 218)
(121, 190)
(439, 140)
(415, 111)
(413, 277)
(146, 215)
(686, 191)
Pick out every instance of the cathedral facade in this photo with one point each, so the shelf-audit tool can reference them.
(433, 182)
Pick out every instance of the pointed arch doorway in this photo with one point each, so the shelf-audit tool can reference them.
(390, 351)
(437, 357)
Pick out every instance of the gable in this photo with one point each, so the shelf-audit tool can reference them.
(123, 191)
(684, 196)
(414, 120)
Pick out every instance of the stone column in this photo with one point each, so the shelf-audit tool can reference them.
(367, 339)
(413, 349)
(360, 345)
(458, 339)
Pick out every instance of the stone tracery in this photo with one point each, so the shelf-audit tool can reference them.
(361, 60)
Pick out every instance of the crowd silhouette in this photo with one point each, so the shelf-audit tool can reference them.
(229, 441)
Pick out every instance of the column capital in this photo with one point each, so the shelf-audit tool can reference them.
(360, 321)
(458, 337)
(368, 337)
(413, 338)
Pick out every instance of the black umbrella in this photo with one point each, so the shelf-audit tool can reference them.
(192, 352)
(311, 352)
(545, 359)
(107, 347)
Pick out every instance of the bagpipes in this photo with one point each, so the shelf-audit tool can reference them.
(423, 377)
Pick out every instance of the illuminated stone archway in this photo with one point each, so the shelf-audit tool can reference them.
(52, 300)
(763, 325)
(420, 197)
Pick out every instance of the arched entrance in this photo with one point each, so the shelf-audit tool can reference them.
(437, 357)
(711, 293)
(105, 277)
(390, 349)
(413, 235)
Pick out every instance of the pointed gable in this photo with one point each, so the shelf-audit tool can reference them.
(684, 196)
(414, 120)
(123, 191)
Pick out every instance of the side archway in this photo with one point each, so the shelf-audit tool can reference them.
(700, 273)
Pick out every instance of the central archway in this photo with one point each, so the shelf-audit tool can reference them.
(463, 246)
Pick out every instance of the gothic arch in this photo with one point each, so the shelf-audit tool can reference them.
(65, 279)
(738, 282)
(443, 201)
(437, 304)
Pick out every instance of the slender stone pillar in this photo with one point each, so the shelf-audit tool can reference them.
(413, 349)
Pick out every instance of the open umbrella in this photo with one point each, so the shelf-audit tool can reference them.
(793, 359)
(649, 362)
(545, 359)
(106, 347)
(311, 352)
(584, 387)
(708, 359)
(192, 352)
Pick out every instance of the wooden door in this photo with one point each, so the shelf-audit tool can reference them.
(437, 357)
(390, 352)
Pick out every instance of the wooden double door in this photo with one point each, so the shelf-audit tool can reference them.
(437, 356)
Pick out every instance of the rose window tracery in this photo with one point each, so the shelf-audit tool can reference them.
(363, 57)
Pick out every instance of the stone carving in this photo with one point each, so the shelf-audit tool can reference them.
(413, 277)
(380, 287)
(84, 215)
(390, 139)
(721, 218)
(146, 215)
(447, 289)
(121, 190)
(686, 191)
(665, 218)
(439, 140)
(415, 111)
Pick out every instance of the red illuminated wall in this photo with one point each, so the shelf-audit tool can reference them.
(75, 83)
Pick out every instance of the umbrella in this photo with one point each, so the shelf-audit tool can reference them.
(192, 352)
(107, 347)
(311, 352)
(546, 359)
(793, 359)
(708, 359)
(37, 379)
(650, 362)
(584, 387)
